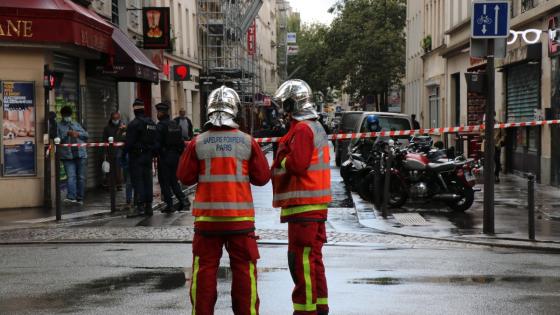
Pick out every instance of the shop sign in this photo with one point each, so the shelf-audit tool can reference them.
(156, 28)
(553, 44)
(13, 28)
(293, 50)
(41, 30)
(252, 39)
(18, 129)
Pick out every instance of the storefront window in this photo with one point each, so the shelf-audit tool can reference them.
(18, 129)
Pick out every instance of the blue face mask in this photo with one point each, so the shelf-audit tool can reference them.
(67, 119)
(115, 122)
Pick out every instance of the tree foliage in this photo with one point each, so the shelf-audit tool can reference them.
(362, 51)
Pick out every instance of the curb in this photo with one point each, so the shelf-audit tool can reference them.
(521, 244)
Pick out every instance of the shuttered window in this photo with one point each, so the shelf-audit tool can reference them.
(100, 100)
(523, 87)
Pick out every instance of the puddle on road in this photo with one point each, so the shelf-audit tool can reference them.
(108, 290)
(456, 280)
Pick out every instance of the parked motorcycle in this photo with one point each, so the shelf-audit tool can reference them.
(414, 176)
(353, 169)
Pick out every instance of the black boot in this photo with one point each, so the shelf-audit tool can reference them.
(168, 209)
(183, 205)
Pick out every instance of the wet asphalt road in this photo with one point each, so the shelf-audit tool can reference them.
(151, 279)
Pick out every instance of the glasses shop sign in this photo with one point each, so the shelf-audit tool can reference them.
(18, 129)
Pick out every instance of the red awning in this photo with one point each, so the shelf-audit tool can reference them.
(54, 21)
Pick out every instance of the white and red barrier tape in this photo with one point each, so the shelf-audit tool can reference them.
(89, 145)
(394, 133)
(430, 131)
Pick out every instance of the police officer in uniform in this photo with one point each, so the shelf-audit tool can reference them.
(141, 146)
(170, 149)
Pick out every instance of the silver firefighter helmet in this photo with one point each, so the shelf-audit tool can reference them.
(295, 96)
(223, 106)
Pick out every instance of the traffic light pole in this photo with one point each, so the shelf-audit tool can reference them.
(489, 148)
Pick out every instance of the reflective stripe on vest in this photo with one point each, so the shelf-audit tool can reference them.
(223, 183)
(314, 186)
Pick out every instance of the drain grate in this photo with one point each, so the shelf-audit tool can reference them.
(410, 219)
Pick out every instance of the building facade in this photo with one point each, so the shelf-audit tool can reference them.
(184, 51)
(414, 79)
(526, 82)
(90, 54)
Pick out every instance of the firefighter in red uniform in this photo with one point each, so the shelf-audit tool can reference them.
(301, 185)
(224, 162)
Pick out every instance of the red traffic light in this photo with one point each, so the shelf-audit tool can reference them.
(181, 73)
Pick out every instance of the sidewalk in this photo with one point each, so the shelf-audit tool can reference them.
(97, 204)
(511, 218)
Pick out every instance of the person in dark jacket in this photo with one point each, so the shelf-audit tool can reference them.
(186, 125)
(74, 159)
(141, 146)
(116, 129)
(170, 149)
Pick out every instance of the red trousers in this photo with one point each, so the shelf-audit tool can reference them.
(305, 259)
(243, 255)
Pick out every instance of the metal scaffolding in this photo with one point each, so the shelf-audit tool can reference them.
(223, 26)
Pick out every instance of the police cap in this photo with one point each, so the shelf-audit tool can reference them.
(163, 106)
(138, 104)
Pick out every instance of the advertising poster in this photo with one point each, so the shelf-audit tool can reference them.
(18, 128)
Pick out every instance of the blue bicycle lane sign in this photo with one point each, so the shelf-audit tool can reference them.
(490, 19)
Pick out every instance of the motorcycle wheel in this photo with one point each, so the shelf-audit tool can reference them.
(356, 181)
(467, 197)
(366, 189)
(398, 193)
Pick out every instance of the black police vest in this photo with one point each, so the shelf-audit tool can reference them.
(174, 135)
(149, 133)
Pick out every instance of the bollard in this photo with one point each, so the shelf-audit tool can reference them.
(113, 174)
(57, 179)
(387, 184)
(531, 205)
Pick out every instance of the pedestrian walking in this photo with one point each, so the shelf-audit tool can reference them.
(224, 161)
(74, 159)
(499, 142)
(116, 128)
(301, 186)
(171, 146)
(141, 145)
(186, 125)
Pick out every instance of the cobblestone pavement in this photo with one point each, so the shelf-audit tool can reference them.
(185, 234)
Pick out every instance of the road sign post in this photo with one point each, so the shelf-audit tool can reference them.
(490, 147)
(489, 30)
